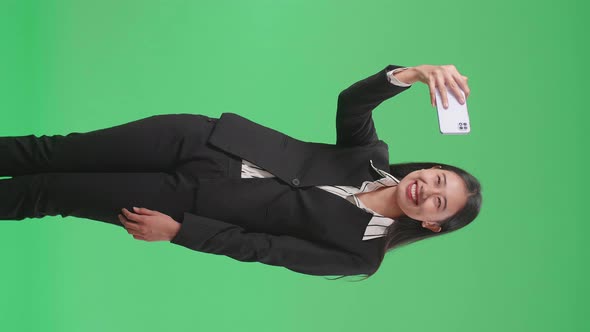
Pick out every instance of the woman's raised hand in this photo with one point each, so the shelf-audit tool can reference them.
(442, 77)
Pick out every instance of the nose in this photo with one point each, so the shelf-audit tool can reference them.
(429, 190)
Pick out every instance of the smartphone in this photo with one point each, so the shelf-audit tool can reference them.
(454, 119)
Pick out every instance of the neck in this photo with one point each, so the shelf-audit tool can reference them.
(383, 201)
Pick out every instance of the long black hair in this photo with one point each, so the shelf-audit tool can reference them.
(406, 230)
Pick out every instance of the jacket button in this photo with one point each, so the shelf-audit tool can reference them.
(209, 119)
(295, 181)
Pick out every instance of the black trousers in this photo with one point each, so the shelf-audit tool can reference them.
(154, 163)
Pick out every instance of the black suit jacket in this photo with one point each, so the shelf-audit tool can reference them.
(287, 221)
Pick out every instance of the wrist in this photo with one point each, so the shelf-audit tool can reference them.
(174, 229)
(408, 76)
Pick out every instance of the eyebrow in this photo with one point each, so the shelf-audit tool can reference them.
(445, 176)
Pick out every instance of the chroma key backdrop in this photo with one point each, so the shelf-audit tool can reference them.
(79, 65)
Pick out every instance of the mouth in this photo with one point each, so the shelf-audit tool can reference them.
(412, 192)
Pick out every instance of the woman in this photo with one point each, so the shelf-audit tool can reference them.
(233, 187)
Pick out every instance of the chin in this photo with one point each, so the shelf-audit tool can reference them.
(406, 210)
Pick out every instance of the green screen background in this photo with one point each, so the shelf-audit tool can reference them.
(75, 66)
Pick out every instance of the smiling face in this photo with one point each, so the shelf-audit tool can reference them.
(431, 196)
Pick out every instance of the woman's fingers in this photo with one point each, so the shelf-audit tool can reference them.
(150, 226)
(145, 211)
(135, 232)
(132, 228)
(133, 216)
(447, 80)
(129, 224)
(454, 82)
(138, 228)
(462, 81)
(432, 88)
(453, 85)
(442, 89)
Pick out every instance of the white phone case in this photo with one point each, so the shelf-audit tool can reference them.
(454, 119)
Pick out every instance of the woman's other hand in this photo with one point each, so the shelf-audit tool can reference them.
(439, 77)
(149, 225)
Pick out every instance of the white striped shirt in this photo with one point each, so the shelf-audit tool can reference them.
(378, 224)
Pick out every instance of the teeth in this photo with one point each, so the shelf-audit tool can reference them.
(413, 189)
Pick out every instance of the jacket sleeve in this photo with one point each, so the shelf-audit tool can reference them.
(217, 237)
(354, 121)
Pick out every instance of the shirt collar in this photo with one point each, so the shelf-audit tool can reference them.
(387, 180)
(390, 179)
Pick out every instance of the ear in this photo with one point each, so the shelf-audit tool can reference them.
(431, 226)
